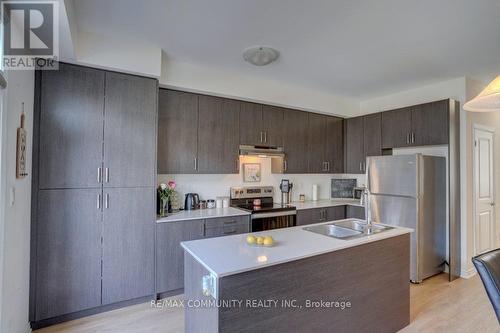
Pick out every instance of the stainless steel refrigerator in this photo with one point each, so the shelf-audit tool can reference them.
(410, 191)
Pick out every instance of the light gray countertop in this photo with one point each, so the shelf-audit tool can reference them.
(323, 203)
(199, 214)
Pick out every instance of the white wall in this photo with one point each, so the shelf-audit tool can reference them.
(15, 245)
(211, 186)
(224, 83)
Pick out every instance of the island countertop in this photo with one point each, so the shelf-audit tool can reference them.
(230, 255)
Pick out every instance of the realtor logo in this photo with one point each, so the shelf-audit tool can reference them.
(30, 34)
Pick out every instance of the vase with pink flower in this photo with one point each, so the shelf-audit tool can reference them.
(165, 193)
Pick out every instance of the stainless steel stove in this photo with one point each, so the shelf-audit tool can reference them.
(266, 214)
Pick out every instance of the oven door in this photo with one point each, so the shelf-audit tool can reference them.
(273, 220)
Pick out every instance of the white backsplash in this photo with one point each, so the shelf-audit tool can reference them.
(212, 186)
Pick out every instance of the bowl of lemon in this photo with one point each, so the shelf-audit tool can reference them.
(267, 241)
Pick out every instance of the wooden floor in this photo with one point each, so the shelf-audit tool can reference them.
(436, 306)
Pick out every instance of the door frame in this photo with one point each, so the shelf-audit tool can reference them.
(475, 128)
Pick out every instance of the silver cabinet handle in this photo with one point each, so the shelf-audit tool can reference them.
(99, 201)
(106, 201)
(106, 175)
(265, 136)
(360, 166)
(196, 163)
(412, 137)
(99, 175)
(327, 166)
(261, 136)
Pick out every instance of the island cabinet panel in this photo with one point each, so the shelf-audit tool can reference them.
(218, 135)
(334, 145)
(251, 132)
(130, 131)
(71, 112)
(354, 145)
(272, 125)
(169, 253)
(396, 128)
(68, 247)
(355, 212)
(177, 132)
(372, 277)
(295, 141)
(128, 247)
(430, 123)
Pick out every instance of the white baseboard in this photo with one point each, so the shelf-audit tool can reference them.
(468, 273)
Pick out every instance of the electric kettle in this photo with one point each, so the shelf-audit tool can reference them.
(192, 201)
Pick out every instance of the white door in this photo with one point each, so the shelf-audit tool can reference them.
(484, 194)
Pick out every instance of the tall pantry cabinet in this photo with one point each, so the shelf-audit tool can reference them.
(93, 213)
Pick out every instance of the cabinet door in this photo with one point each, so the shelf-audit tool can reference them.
(218, 135)
(128, 244)
(335, 213)
(272, 125)
(334, 145)
(354, 145)
(177, 132)
(396, 128)
(355, 212)
(71, 127)
(310, 216)
(430, 123)
(130, 131)
(169, 253)
(316, 148)
(372, 134)
(251, 132)
(296, 141)
(68, 248)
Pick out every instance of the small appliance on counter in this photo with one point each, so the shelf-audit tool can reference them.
(192, 201)
(286, 191)
(210, 203)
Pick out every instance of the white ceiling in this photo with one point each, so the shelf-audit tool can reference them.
(359, 49)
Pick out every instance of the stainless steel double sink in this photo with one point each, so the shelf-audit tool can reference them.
(347, 229)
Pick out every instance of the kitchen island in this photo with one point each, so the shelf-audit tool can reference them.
(307, 282)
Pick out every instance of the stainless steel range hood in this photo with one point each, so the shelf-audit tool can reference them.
(262, 151)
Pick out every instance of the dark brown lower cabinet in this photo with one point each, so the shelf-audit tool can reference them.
(355, 212)
(68, 247)
(317, 215)
(128, 244)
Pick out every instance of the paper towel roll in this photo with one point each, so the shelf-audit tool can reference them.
(315, 192)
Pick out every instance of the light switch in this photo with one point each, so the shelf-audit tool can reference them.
(12, 196)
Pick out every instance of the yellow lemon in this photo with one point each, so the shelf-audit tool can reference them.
(251, 239)
(260, 240)
(268, 240)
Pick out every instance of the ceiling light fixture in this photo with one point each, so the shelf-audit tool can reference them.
(488, 100)
(260, 55)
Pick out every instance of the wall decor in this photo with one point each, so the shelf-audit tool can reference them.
(21, 149)
(251, 172)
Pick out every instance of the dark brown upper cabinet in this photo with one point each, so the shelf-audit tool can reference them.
(218, 135)
(71, 127)
(429, 123)
(419, 125)
(363, 138)
(372, 127)
(295, 141)
(325, 146)
(261, 125)
(396, 128)
(354, 145)
(177, 132)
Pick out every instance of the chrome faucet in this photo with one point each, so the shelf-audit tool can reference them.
(365, 201)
